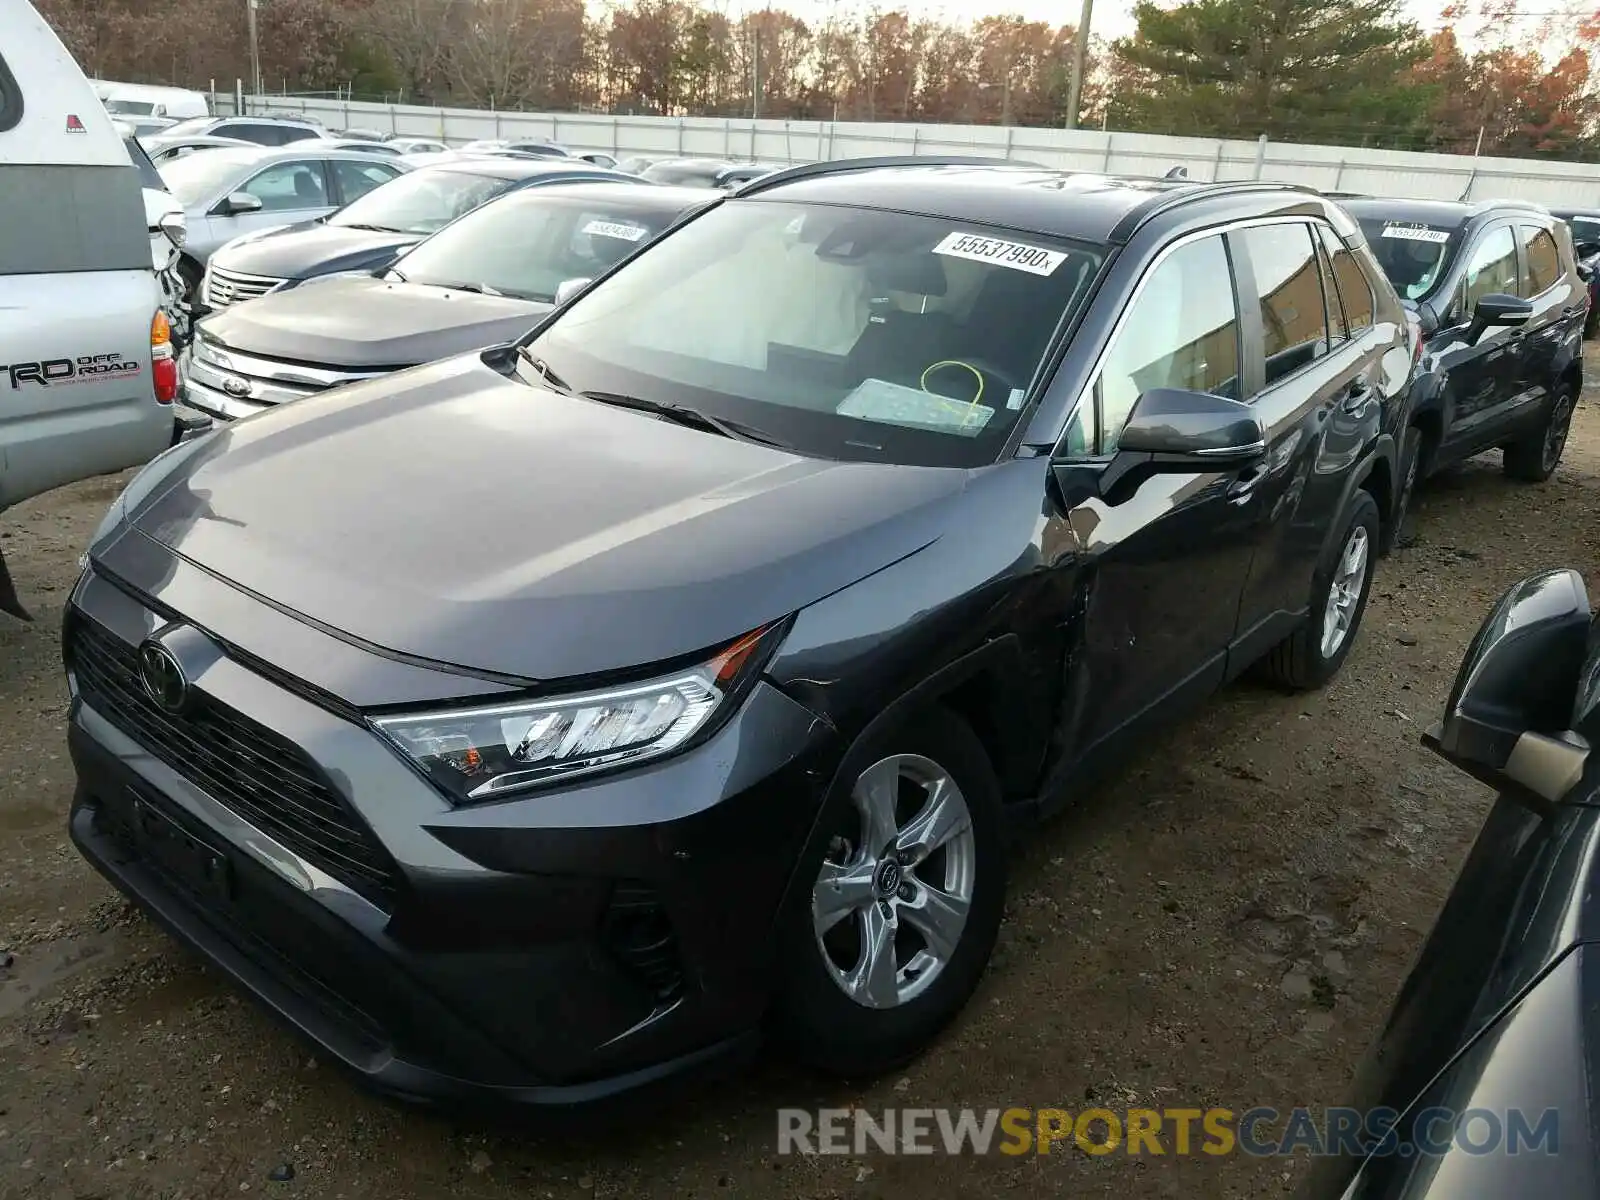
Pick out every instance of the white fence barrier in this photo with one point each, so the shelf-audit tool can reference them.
(1328, 168)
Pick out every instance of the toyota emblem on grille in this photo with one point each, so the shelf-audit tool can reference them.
(236, 387)
(162, 677)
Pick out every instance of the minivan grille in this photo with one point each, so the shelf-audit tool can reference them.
(228, 287)
(240, 763)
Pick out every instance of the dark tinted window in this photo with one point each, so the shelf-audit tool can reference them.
(1414, 255)
(1337, 330)
(1355, 293)
(1541, 261)
(1492, 266)
(1294, 324)
(295, 133)
(1584, 229)
(1181, 331)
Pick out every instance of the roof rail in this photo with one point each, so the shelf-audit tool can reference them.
(1130, 222)
(839, 166)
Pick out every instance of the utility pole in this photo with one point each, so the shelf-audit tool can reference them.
(255, 48)
(1080, 64)
(755, 74)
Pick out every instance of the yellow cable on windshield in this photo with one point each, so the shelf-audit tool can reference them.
(972, 406)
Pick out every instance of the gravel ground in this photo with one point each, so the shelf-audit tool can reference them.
(1224, 924)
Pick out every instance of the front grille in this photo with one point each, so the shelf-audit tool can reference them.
(639, 933)
(258, 380)
(229, 287)
(257, 773)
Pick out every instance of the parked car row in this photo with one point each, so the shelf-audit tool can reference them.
(648, 611)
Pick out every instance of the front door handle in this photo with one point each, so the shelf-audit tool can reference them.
(1242, 488)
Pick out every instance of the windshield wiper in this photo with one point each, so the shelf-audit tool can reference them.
(373, 228)
(552, 380)
(483, 289)
(692, 417)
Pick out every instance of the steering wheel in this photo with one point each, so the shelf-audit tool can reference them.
(985, 370)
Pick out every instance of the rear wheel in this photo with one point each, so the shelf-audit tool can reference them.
(1534, 458)
(904, 904)
(1313, 654)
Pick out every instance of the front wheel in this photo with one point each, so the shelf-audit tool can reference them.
(903, 908)
(1313, 654)
(1535, 458)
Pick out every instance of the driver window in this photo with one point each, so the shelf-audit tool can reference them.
(1182, 331)
(1492, 267)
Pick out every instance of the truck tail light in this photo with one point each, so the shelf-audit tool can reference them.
(163, 359)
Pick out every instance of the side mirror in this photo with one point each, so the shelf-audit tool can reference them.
(1171, 429)
(570, 288)
(1507, 720)
(241, 202)
(1498, 308)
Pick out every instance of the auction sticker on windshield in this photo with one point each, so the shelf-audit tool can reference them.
(1019, 256)
(615, 229)
(1416, 233)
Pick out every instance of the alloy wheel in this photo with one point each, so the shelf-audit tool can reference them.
(889, 906)
(1344, 592)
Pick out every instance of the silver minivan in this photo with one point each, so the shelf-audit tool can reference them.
(87, 370)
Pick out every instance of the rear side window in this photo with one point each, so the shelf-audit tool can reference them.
(1355, 292)
(1541, 261)
(356, 179)
(1182, 331)
(10, 98)
(1294, 323)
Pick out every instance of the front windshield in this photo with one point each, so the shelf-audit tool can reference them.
(688, 173)
(196, 177)
(420, 202)
(1585, 229)
(843, 332)
(132, 108)
(529, 243)
(1414, 255)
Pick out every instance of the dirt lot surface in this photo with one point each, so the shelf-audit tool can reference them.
(1225, 924)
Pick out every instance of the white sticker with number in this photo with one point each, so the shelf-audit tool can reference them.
(615, 229)
(1416, 233)
(1019, 256)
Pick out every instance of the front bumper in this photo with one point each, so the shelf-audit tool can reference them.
(566, 949)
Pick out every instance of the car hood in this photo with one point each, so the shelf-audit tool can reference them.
(311, 248)
(363, 322)
(451, 514)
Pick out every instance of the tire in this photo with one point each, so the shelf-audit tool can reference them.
(1534, 458)
(1308, 658)
(1405, 490)
(897, 1014)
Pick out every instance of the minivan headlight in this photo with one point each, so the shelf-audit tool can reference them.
(476, 754)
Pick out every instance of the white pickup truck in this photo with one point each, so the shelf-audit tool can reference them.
(87, 369)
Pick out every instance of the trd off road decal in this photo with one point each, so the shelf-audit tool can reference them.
(52, 372)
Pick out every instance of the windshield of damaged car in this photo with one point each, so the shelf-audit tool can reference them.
(1413, 254)
(843, 332)
(527, 244)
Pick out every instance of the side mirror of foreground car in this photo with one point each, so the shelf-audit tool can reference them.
(1171, 429)
(1497, 308)
(1508, 721)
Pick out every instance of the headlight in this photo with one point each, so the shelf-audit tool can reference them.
(483, 753)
